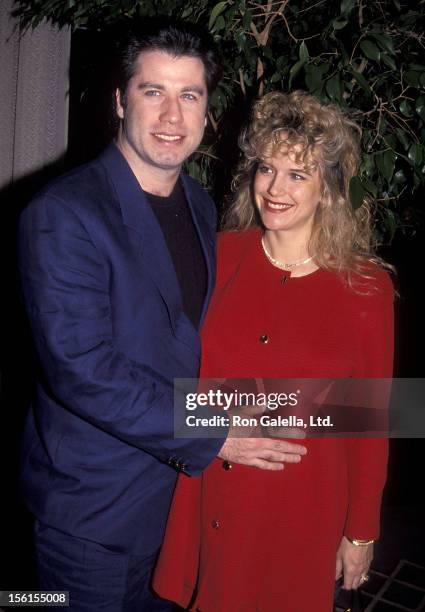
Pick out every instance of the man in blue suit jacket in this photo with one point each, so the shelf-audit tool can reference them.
(117, 263)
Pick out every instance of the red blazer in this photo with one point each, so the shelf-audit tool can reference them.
(254, 540)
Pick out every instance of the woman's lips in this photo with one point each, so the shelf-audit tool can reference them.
(276, 207)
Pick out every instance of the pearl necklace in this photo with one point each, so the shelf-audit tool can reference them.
(280, 264)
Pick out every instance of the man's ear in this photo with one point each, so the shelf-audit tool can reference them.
(118, 104)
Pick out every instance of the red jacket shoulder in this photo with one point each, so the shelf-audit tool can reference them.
(231, 247)
(373, 281)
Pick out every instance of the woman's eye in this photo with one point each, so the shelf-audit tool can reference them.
(297, 177)
(264, 169)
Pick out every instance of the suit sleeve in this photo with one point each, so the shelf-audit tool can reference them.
(65, 288)
(368, 456)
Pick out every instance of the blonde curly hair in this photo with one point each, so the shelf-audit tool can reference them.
(317, 136)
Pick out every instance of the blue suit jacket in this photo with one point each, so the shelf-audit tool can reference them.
(106, 316)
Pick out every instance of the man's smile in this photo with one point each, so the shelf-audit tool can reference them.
(168, 137)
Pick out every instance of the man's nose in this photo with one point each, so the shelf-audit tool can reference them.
(171, 110)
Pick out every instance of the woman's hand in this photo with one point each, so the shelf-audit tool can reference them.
(352, 562)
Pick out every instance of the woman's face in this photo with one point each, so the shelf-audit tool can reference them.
(287, 194)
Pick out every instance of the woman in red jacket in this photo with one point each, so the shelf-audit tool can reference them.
(300, 295)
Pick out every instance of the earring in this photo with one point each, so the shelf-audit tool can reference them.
(206, 122)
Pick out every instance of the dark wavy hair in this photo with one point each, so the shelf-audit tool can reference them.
(178, 39)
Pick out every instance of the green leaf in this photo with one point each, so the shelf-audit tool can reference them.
(303, 53)
(390, 223)
(391, 141)
(219, 8)
(356, 192)
(416, 181)
(399, 177)
(247, 78)
(370, 50)
(385, 162)
(251, 57)
(240, 40)
(220, 23)
(215, 99)
(347, 6)
(295, 70)
(368, 164)
(370, 187)
(415, 154)
(313, 78)
(384, 41)
(401, 135)
(406, 109)
(247, 19)
(420, 107)
(187, 11)
(268, 53)
(362, 81)
(281, 62)
(323, 68)
(412, 78)
(334, 88)
(193, 169)
(388, 61)
(366, 136)
(233, 9)
(339, 24)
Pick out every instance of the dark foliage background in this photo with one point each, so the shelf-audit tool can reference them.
(366, 56)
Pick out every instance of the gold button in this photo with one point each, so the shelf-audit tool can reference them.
(215, 524)
(227, 466)
(264, 338)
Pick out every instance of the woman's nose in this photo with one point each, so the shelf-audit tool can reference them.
(277, 186)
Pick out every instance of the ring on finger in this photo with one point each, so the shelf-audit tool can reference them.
(364, 578)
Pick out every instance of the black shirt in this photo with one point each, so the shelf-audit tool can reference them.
(175, 219)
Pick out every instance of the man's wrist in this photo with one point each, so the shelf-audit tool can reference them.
(357, 542)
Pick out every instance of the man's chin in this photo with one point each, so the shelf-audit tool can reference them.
(168, 162)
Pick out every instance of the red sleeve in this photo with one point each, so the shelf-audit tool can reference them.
(367, 462)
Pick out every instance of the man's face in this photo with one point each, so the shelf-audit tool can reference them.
(163, 112)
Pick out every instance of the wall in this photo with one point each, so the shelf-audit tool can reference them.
(34, 69)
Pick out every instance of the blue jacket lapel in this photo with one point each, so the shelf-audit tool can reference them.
(138, 216)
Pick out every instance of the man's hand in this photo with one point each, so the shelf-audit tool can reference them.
(252, 446)
(263, 453)
(353, 563)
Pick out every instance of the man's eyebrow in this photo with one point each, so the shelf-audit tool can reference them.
(149, 85)
(187, 88)
(194, 88)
